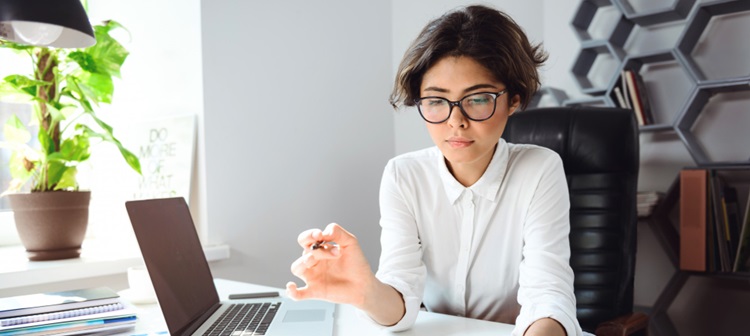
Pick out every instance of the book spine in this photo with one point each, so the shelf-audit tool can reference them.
(620, 98)
(640, 85)
(637, 108)
(693, 203)
(743, 251)
(718, 221)
(625, 92)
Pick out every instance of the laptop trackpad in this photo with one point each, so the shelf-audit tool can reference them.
(304, 315)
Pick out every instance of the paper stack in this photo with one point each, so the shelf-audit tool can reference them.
(646, 201)
(84, 311)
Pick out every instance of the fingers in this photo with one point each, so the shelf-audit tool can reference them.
(332, 233)
(302, 264)
(297, 294)
(309, 237)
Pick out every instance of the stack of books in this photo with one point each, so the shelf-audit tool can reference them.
(646, 201)
(85, 311)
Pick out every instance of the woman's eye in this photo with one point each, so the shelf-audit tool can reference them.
(435, 102)
(478, 100)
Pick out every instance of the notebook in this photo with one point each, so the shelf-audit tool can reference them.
(184, 286)
(83, 311)
(41, 303)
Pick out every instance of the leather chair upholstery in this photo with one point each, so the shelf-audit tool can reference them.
(600, 154)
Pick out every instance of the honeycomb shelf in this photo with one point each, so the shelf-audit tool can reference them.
(681, 110)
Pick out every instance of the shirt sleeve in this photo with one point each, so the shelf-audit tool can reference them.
(546, 278)
(401, 264)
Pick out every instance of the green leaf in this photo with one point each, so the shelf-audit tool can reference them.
(104, 126)
(55, 171)
(73, 149)
(19, 166)
(85, 61)
(81, 99)
(16, 46)
(15, 131)
(10, 93)
(95, 86)
(24, 84)
(57, 116)
(67, 179)
(45, 141)
(129, 157)
(108, 54)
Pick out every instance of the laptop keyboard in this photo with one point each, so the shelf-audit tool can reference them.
(244, 319)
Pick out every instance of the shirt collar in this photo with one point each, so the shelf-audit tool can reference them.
(487, 186)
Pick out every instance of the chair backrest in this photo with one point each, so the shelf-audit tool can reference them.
(600, 153)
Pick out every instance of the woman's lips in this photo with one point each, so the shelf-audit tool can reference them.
(459, 142)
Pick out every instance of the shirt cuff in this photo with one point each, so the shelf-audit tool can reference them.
(411, 304)
(526, 318)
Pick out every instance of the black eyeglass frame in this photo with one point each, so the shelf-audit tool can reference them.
(451, 104)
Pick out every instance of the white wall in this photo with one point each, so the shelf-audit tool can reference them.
(298, 127)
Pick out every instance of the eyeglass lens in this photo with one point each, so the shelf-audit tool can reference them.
(478, 106)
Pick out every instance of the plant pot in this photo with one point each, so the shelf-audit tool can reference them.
(51, 224)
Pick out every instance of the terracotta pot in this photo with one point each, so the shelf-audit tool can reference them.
(52, 224)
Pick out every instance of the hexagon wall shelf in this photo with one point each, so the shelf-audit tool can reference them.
(637, 63)
(695, 106)
(697, 23)
(590, 51)
(585, 15)
(679, 10)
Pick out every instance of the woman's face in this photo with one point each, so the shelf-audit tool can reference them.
(464, 142)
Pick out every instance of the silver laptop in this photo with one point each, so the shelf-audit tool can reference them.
(185, 288)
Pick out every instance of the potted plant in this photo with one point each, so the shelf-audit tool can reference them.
(64, 87)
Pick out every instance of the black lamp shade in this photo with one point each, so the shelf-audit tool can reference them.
(52, 23)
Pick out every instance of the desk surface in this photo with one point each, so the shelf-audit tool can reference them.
(346, 320)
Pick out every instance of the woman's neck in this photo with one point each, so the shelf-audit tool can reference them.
(469, 173)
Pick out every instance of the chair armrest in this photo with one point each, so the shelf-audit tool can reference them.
(623, 325)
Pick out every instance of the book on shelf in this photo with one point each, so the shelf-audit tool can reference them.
(693, 218)
(638, 97)
(621, 97)
(69, 312)
(714, 227)
(742, 260)
(716, 185)
(625, 94)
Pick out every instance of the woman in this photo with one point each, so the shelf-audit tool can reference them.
(474, 226)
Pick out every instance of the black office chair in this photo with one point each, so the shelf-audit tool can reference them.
(599, 149)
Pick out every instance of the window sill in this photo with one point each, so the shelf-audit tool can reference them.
(97, 259)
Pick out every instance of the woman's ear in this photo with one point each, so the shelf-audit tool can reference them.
(515, 103)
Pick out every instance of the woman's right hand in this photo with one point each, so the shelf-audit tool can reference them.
(334, 272)
(340, 273)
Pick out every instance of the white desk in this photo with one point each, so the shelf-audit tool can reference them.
(346, 322)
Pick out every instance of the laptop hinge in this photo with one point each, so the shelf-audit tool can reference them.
(193, 326)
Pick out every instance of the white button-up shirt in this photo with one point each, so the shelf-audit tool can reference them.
(497, 250)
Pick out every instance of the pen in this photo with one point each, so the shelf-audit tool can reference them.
(253, 295)
(321, 243)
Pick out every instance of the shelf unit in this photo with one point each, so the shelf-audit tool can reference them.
(695, 18)
(667, 234)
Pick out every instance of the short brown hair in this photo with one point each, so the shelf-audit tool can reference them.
(485, 34)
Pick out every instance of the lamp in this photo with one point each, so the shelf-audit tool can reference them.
(46, 23)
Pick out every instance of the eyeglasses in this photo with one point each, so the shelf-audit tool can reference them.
(476, 106)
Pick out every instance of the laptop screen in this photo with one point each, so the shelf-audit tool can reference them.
(174, 258)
